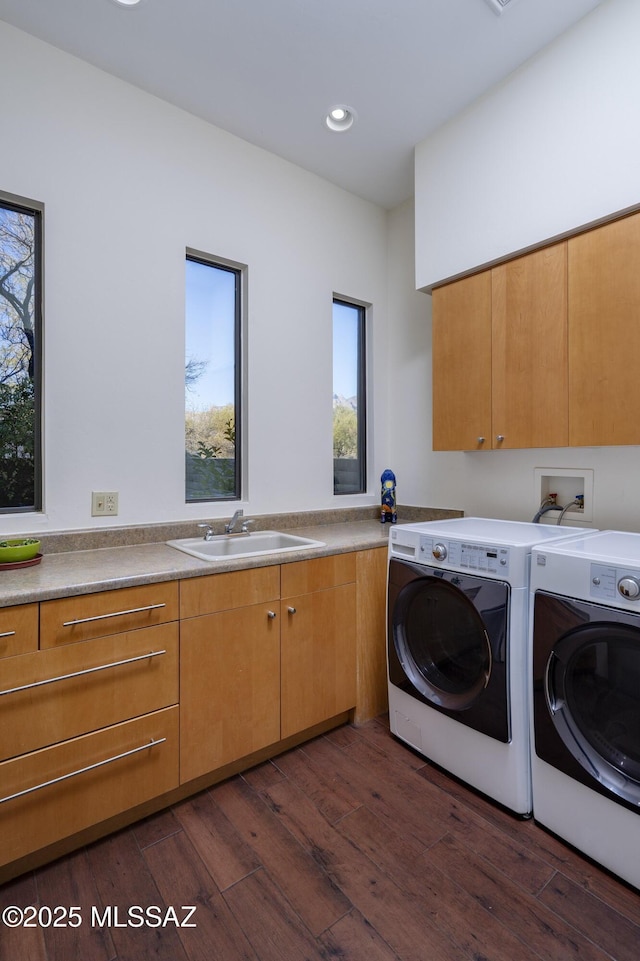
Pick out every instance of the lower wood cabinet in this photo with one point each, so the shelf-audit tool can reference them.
(108, 701)
(53, 695)
(229, 688)
(318, 645)
(256, 673)
(18, 629)
(56, 792)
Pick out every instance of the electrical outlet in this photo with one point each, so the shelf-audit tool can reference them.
(104, 503)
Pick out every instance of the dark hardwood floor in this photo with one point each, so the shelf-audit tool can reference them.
(349, 847)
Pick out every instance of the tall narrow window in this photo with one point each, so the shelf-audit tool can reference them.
(212, 380)
(20, 355)
(349, 391)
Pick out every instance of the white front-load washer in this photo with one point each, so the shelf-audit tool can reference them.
(457, 627)
(585, 630)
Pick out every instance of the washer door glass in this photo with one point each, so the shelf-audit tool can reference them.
(592, 688)
(441, 642)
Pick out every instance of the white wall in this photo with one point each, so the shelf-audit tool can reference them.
(554, 147)
(128, 183)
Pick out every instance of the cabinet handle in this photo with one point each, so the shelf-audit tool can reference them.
(88, 670)
(499, 438)
(103, 617)
(8, 634)
(83, 770)
(481, 440)
(271, 614)
(292, 610)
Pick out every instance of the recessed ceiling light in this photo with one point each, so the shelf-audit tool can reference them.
(127, 3)
(340, 118)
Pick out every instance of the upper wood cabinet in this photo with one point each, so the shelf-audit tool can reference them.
(604, 334)
(529, 350)
(462, 364)
(500, 356)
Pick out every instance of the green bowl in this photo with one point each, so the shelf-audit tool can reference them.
(19, 549)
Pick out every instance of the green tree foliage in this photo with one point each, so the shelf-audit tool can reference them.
(345, 431)
(17, 423)
(210, 452)
(17, 361)
(211, 433)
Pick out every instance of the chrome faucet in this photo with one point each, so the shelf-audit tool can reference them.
(229, 528)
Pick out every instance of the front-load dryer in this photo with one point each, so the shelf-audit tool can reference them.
(457, 619)
(586, 696)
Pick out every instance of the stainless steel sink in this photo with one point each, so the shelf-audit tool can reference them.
(243, 545)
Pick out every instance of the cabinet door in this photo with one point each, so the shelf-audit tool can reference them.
(318, 657)
(529, 347)
(604, 334)
(229, 687)
(461, 355)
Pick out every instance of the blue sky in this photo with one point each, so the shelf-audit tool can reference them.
(210, 298)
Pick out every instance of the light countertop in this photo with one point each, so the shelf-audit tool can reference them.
(87, 571)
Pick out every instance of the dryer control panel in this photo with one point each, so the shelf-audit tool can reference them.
(612, 583)
(484, 558)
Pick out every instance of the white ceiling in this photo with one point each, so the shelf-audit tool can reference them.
(268, 70)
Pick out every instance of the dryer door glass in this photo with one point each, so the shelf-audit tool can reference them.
(592, 688)
(441, 642)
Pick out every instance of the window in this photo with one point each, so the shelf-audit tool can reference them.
(349, 408)
(20, 355)
(212, 379)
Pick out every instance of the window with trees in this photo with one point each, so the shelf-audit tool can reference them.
(20, 354)
(212, 379)
(349, 398)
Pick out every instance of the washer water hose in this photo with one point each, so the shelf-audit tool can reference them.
(578, 502)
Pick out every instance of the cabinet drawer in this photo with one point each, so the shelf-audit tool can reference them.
(303, 577)
(68, 787)
(18, 629)
(224, 592)
(73, 619)
(53, 695)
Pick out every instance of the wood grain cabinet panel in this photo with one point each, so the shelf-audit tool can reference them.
(224, 592)
(18, 629)
(461, 351)
(318, 657)
(56, 694)
(604, 334)
(371, 631)
(500, 375)
(54, 793)
(529, 378)
(229, 686)
(302, 577)
(71, 619)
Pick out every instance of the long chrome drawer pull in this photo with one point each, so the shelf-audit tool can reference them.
(103, 617)
(88, 670)
(8, 634)
(83, 770)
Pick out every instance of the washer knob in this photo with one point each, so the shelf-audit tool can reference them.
(629, 587)
(439, 552)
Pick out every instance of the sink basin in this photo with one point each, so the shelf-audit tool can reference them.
(243, 545)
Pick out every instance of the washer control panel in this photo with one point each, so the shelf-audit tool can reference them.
(485, 558)
(611, 583)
